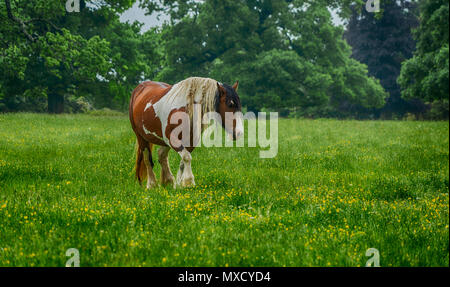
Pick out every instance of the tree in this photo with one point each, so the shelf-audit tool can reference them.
(383, 41)
(134, 57)
(286, 53)
(52, 59)
(48, 52)
(426, 75)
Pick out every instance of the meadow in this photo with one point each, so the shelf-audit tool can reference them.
(335, 189)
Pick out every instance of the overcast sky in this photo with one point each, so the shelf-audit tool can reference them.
(137, 14)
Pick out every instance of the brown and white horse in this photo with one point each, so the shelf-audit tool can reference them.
(153, 107)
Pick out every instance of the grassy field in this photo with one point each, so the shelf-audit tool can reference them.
(335, 189)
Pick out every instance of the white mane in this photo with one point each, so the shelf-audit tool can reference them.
(194, 90)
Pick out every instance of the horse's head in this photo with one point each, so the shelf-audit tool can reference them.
(228, 105)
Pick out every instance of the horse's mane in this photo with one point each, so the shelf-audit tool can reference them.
(195, 90)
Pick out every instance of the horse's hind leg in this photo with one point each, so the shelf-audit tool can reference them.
(185, 177)
(166, 174)
(151, 178)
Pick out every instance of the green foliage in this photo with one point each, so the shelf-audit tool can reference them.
(353, 92)
(281, 79)
(88, 54)
(335, 189)
(13, 62)
(68, 53)
(75, 104)
(426, 75)
(49, 58)
(286, 53)
(439, 110)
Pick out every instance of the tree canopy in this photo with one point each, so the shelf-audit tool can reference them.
(287, 54)
(383, 41)
(49, 52)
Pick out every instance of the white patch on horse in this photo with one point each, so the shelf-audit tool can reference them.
(148, 106)
(239, 126)
(162, 110)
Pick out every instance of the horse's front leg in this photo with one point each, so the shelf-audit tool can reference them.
(180, 172)
(185, 177)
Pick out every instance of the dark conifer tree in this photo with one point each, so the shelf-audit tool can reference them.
(383, 41)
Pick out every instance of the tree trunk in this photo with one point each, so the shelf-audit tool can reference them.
(55, 103)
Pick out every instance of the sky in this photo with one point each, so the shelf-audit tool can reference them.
(138, 14)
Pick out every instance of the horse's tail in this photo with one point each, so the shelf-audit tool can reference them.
(140, 167)
(141, 145)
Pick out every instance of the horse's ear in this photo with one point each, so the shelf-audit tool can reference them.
(236, 86)
(222, 90)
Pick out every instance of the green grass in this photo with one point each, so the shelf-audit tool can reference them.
(335, 189)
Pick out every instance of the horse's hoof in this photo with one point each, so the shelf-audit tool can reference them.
(188, 182)
(151, 185)
(168, 181)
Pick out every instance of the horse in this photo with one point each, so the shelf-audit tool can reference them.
(152, 111)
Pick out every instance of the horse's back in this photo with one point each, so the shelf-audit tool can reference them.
(146, 91)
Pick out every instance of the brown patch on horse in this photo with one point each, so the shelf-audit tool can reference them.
(144, 93)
